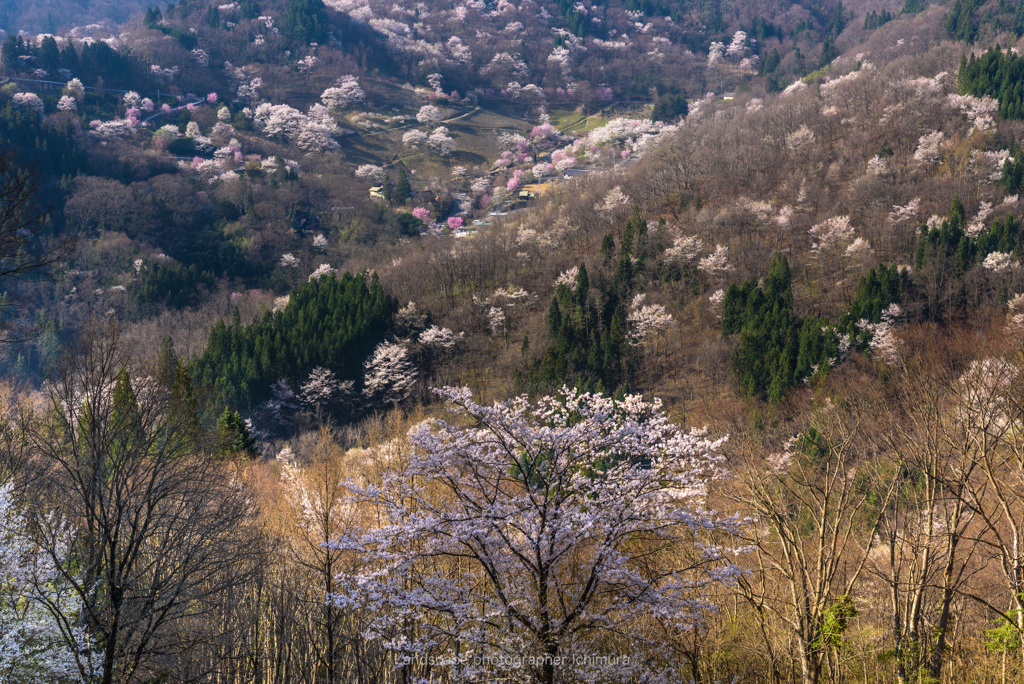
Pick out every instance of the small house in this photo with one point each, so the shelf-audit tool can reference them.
(377, 193)
(304, 222)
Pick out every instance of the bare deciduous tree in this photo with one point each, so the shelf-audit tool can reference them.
(162, 528)
(810, 544)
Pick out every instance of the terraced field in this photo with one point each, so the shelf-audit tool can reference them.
(476, 144)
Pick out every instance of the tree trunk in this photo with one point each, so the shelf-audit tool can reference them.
(694, 659)
(548, 672)
(942, 626)
(810, 664)
(1018, 600)
(329, 610)
(110, 643)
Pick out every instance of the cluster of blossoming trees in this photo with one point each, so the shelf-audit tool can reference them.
(524, 544)
(312, 131)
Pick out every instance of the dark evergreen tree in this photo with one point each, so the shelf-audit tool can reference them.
(874, 19)
(1013, 170)
(49, 55)
(167, 362)
(582, 285)
(765, 358)
(586, 323)
(828, 52)
(998, 75)
(69, 58)
(183, 408)
(882, 286)
(249, 9)
(403, 191)
(961, 23)
(774, 349)
(125, 422)
(330, 322)
(174, 285)
(234, 437)
(607, 247)
(304, 20)
(669, 107)
(769, 64)
(98, 59)
(13, 48)
(54, 146)
(837, 23)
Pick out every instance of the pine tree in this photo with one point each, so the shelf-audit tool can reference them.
(167, 361)
(183, 408)
(49, 54)
(403, 191)
(249, 9)
(608, 247)
(10, 51)
(582, 285)
(235, 439)
(1013, 169)
(69, 57)
(333, 322)
(554, 317)
(303, 19)
(125, 423)
(765, 359)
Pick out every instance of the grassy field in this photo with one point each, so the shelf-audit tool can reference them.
(567, 119)
(571, 122)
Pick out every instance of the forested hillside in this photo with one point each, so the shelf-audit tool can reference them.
(642, 341)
